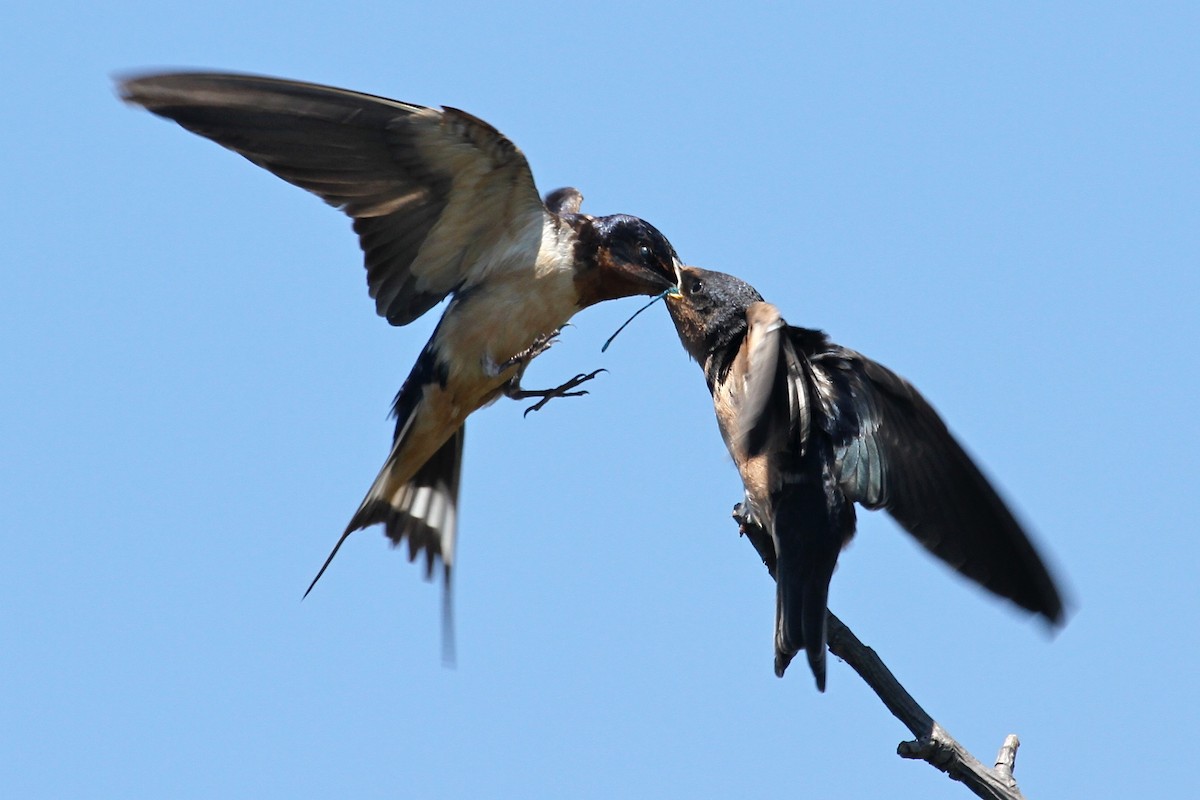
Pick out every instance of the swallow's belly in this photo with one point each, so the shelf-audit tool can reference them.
(478, 334)
(487, 328)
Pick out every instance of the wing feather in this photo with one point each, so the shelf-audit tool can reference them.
(760, 410)
(894, 452)
(438, 197)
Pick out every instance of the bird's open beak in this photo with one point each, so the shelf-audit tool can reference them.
(674, 293)
(670, 280)
(648, 280)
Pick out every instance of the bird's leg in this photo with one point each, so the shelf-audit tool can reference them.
(540, 345)
(521, 360)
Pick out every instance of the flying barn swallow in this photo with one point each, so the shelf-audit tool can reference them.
(814, 428)
(443, 205)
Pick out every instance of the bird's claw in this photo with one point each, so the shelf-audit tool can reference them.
(546, 395)
(540, 403)
(739, 512)
(743, 516)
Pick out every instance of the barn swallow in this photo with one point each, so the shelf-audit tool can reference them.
(443, 205)
(814, 428)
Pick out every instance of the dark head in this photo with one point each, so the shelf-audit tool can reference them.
(622, 256)
(709, 309)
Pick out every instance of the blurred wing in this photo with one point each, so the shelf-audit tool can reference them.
(761, 405)
(437, 197)
(894, 452)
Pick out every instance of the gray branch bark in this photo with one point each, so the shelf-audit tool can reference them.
(932, 743)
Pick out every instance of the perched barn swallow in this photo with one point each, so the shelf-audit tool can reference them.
(814, 428)
(443, 205)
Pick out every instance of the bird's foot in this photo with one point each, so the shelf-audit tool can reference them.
(743, 515)
(752, 529)
(513, 389)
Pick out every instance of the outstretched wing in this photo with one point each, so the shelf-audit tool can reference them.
(437, 197)
(894, 452)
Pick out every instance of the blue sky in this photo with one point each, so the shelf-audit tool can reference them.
(998, 201)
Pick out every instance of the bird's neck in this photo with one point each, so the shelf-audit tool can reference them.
(722, 349)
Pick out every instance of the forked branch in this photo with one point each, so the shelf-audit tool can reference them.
(933, 744)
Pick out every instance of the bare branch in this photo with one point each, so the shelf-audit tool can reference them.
(1006, 759)
(932, 744)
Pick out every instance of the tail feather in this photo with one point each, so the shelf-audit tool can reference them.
(801, 608)
(789, 635)
(813, 615)
(800, 624)
(800, 614)
(423, 512)
(810, 529)
(328, 560)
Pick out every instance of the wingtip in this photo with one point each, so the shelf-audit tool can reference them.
(1060, 605)
(132, 84)
(124, 86)
(145, 89)
(1054, 619)
(1047, 602)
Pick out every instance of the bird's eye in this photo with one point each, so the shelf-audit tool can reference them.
(644, 252)
(696, 286)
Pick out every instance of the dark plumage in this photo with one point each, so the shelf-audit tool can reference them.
(814, 428)
(444, 206)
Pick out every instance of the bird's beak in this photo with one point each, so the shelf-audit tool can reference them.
(673, 293)
(648, 280)
(620, 278)
(670, 279)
